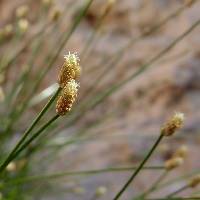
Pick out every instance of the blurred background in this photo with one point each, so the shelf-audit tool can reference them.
(114, 40)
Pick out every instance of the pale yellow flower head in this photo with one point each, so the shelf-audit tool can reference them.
(70, 69)
(173, 124)
(67, 97)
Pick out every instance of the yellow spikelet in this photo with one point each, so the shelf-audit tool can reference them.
(173, 124)
(67, 98)
(70, 69)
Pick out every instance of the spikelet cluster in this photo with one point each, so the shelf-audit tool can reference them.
(68, 74)
(70, 70)
(173, 124)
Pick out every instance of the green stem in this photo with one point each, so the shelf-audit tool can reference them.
(17, 54)
(94, 101)
(120, 53)
(53, 59)
(170, 182)
(35, 135)
(63, 43)
(19, 150)
(139, 168)
(77, 173)
(27, 132)
(88, 45)
(154, 186)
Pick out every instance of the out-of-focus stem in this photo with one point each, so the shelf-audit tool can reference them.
(78, 173)
(27, 132)
(119, 194)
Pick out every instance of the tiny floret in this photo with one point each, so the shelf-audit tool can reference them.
(72, 59)
(173, 124)
(70, 70)
(67, 97)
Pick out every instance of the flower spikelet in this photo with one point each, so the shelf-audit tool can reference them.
(173, 124)
(67, 98)
(70, 70)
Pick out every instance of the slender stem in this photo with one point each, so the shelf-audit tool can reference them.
(139, 168)
(154, 185)
(151, 61)
(77, 173)
(109, 63)
(35, 135)
(120, 53)
(114, 88)
(170, 182)
(10, 62)
(88, 45)
(63, 42)
(178, 191)
(27, 132)
(53, 59)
